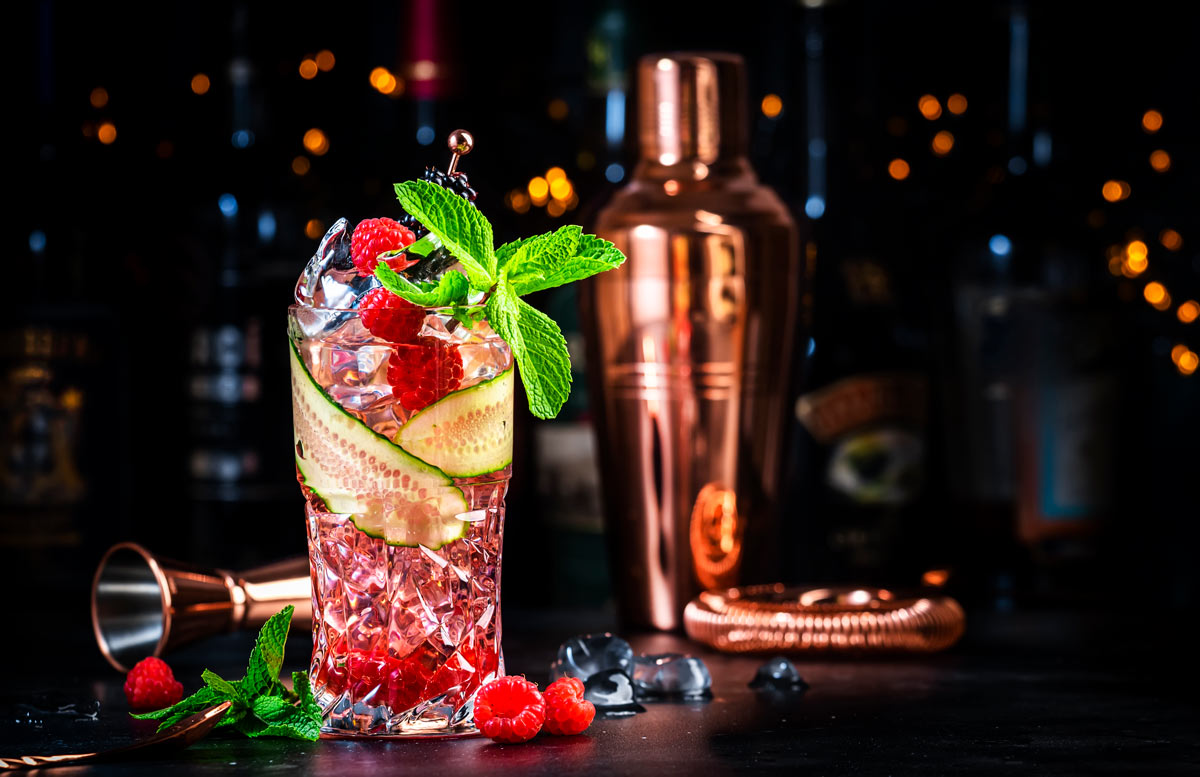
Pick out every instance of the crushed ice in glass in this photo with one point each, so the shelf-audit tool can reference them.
(584, 656)
(330, 280)
(671, 675)
(611, 691)
(779, 674)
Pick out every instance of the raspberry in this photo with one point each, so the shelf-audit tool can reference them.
(151, 685)
(423, 373)
(390, 317)
(510, 710)
(374, 236)
(567, 712)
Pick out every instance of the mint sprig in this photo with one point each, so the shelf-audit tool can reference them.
(260, 704)
(505, 274)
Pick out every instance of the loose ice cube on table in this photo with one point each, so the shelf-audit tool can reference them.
(779, 674)
(611, 691)
(584, 656)
(671, 674)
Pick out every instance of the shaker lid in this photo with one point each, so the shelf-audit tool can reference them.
(691, 106)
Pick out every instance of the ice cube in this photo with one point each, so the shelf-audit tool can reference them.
(330, 279)
(584, 656)
(779, 674)
(671, 674)
(611, 691)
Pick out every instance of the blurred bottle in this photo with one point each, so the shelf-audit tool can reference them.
(238, 487)
(860, 454)
(1033, 456)
(687, 345)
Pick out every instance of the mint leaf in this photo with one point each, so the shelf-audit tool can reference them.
(222, 686)
(505, 252)
(452, 287)
(538, 346)
(197, 702)
(262, 674)
(302, 688)
(562, 257)
(463, 230)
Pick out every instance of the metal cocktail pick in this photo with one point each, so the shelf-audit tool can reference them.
(186, 732)
(144, 605)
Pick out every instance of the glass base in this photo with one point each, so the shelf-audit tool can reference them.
(344, 719)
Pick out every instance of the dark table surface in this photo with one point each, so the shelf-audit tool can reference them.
(1055, 693)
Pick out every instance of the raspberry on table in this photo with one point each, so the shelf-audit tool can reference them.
(390, 317)
(510, 710)
(151, 685)
(374, 236)
(567, 712)
(424, 372)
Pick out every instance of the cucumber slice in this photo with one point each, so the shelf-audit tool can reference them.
(388, 493)
(465, 433)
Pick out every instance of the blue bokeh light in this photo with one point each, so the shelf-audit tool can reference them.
(266, 226)
(425, 134)
(1000, 245)
(614, 172)
(242, 138)
(814, 206)
(37, 241)
(228, 205)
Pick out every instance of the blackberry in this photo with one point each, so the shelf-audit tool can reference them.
(456, 183)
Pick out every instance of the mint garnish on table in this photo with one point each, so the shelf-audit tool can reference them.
(504, 274)
(261, 705)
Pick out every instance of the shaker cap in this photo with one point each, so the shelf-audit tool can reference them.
(691, 106)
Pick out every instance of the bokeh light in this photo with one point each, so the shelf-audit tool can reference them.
(1170, 239)
(1152, 121)
(942, 143)
(325, 60)
(316, 141)
(538, 190)
(560, 188)
(1115, 190)
(308, 69)
(1160, 160)
(557, 109)
(301, 165)
(200, 84)
(929, 107)
(772, 106)
(313, 229)
(956, 104)
(1156, 294)
(99, 97)
(898, 169)
(107, 133)
(1189, 311)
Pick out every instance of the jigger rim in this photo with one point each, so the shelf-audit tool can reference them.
(164, 597)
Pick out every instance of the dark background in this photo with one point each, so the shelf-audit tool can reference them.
(125, 275)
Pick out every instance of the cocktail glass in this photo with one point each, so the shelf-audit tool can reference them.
(405, 513)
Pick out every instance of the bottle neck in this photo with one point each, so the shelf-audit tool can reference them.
(691, 112)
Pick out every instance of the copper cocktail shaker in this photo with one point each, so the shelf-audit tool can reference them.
(690, 346)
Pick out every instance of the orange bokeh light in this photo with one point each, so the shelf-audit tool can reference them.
(1152, 121)
(1154, 292)
(942, 143)
(200, 84)
(316, 141)
(898, 169)
(1160, 160)
(1189, 311)
(929, 107)
(1170, 239)
(325, 60)
(99, 97)
(956, 104)
(107, 133)
(313, 229)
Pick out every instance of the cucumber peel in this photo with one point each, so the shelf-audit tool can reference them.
(468, 432)
(387, 492)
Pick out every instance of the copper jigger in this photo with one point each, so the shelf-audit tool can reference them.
(143, 605)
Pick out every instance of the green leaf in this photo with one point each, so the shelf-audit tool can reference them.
(262, 674)
(197, 702)
(463, 230)
(561, 257)
(451, 288)
(220, 685)
(538, 346)
(282, 719)
(505, 253)
(303, 690)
